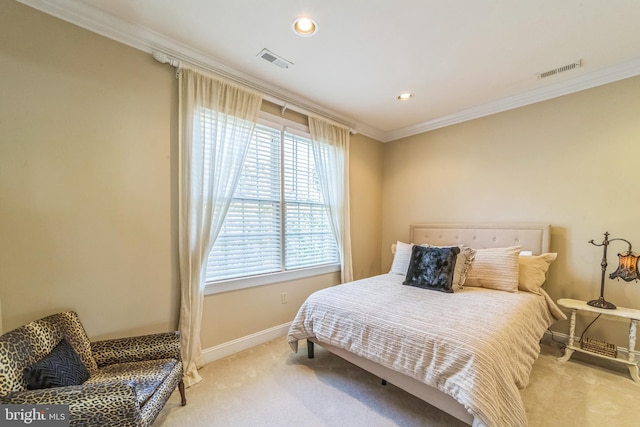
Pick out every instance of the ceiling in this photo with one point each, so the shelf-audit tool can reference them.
(461, 59)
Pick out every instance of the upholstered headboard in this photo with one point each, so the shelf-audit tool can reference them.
(532, 237)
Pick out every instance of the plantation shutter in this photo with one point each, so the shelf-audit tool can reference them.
(249, 242)
(277, 220)
(308, 237)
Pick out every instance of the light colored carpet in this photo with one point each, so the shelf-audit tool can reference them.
(269, 385)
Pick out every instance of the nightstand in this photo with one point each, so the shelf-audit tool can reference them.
(628, 313)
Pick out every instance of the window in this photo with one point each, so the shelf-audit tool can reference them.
(277, 221)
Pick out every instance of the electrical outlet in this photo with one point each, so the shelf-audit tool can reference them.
(283, 298)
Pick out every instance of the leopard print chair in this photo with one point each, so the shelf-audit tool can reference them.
(129, 379)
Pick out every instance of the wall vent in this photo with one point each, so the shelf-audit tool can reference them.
(269, 56)
(568, 67)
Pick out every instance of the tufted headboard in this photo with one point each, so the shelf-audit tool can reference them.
(531, 236)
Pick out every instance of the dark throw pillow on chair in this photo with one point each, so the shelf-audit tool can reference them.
(62, 367)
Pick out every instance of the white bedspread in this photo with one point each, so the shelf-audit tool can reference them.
(476, 345)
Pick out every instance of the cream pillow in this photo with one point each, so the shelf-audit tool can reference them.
(495, 268)
(401, 258)
(533, 271)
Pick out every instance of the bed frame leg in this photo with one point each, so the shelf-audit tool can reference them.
(309, 349)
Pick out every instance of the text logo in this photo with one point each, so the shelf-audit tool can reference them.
(34, 415)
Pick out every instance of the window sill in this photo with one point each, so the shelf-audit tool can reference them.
(267, 279)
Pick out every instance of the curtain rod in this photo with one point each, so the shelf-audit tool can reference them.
(268, 95)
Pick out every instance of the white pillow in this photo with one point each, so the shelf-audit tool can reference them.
(495, 268)
(401, 258)
(463, 263)
(533, 271)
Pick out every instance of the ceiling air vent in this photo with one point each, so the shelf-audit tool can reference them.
(562, 69)
(269, 56)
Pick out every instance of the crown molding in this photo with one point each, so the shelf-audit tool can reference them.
(90, 18)
(586, 81)
(94, 20)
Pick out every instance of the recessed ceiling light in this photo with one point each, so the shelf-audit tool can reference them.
(405, 96)
(305, 26)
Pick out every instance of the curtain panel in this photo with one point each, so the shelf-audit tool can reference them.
(331, 153)
(216, 122)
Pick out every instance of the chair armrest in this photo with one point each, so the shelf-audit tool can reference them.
(108, 404)
(165, 345)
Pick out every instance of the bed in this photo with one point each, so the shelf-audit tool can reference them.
(466, 352)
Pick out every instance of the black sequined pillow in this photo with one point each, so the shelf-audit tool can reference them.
(432, 268)
(62, 367)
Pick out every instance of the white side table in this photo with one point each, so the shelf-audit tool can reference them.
(628, 313)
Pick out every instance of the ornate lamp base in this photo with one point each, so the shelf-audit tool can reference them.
(601, 303)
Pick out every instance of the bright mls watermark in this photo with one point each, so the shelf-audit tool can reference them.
(34, 415)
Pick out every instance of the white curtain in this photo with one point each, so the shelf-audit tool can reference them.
(331, 153)
(216, 122)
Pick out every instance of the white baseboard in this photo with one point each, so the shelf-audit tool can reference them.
(227, 349)
(564, 338)
(231, 347)
(557, 336)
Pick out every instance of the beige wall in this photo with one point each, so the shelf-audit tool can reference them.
(571, 162)
(366, 205)
(88, 190)
(87, 178)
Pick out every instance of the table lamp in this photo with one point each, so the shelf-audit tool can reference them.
(627, 269)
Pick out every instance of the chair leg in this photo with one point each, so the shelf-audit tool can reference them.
(182, 395)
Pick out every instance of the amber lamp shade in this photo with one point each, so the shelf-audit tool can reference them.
(627, 267)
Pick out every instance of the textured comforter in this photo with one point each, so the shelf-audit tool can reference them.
(476, 345)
